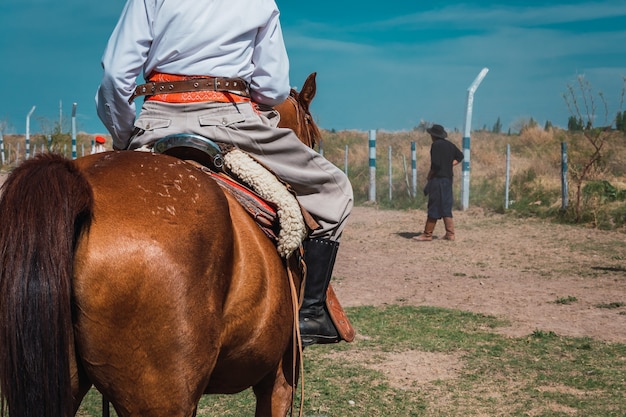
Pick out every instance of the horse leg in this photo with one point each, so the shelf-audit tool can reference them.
(274, 393)
(79, 380)
(163, 377)
(145, 339)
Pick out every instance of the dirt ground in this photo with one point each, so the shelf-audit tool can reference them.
(515, 269)
(521, 270)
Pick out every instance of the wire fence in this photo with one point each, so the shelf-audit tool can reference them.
(389, 171)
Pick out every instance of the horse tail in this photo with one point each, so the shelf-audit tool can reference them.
(46, 205)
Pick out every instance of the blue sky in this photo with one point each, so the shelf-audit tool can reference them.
(381, 65)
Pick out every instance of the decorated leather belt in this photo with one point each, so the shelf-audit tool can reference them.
(226, 85)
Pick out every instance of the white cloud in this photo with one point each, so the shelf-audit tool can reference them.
(466, 16)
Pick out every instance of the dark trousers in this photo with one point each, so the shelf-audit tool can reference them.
(440, 198)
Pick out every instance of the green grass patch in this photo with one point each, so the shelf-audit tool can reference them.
(617, 247)
(612, 305)
(379, 374)
(566, 300)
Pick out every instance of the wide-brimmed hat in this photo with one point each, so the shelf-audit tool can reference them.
(437, 131)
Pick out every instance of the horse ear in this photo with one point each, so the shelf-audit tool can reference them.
(308, 90)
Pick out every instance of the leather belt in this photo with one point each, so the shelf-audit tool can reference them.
(237, 86)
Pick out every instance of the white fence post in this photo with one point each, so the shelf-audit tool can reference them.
(466, 138)
(372, 147)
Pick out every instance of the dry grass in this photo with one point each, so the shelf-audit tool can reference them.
(534, 172)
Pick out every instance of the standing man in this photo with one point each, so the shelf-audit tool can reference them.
(444, 155)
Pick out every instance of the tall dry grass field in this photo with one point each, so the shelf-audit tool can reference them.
(534, 173)
(534, 167)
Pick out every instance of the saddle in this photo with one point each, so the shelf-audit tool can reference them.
(268, 200)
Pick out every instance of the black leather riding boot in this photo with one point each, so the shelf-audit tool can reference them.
(315, 323)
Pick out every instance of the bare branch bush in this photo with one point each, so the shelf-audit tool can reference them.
(585, 161)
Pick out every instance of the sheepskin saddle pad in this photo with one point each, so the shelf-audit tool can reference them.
(265, 197)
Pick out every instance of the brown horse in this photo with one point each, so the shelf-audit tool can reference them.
(134, 272)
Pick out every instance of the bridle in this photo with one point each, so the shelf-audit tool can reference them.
(307, 130)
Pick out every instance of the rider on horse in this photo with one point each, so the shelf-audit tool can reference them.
(216, 69)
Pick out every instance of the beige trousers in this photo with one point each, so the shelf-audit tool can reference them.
(321, 188)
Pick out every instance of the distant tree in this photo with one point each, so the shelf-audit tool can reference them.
(547, 126)
(621, 115)
(422, 126)
(522, 125)
(620, 121)
(574, 124)
(497, 128)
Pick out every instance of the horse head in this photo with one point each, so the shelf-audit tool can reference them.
(295, 112)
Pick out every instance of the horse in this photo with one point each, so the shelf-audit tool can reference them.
(134, 272)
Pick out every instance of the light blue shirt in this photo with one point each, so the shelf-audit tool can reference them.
(223, 38)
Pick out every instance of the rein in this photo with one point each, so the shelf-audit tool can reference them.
(304, 121)
(307, 132)
(297, 347)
